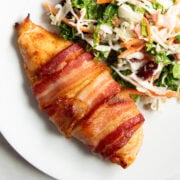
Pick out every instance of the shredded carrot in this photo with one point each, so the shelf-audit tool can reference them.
(104, 1)
(170, 40)
(131, 50)
(53, 10)
(116, 21)
(177, 29)
(130, 91)
(160, 27)
(50, 8)
(171, 94)
(82, 28)
(148, 28)
(168, 94)
(132, 42)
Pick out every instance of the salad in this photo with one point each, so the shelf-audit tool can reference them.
(138, 39)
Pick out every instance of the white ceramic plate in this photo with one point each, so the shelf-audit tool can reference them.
(38, 141)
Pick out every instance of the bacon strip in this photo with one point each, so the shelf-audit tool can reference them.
(93, 94)
(60, 60)
(105, 118)
(77, 64)
(119, 137)
(69, 81)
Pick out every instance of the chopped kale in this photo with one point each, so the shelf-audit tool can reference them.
(94, 11)
(110, 13)
(120, 80)
(67, 32)
(162, 57)
(167, 78)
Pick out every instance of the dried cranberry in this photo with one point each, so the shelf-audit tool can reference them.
(147, 70)
(69, 15)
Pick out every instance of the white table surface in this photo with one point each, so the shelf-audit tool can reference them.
(14, 167)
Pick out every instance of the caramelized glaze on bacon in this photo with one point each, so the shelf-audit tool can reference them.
(119, 137)
(60, 60)
(79, 95)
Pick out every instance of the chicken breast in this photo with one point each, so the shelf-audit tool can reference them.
(79, 95)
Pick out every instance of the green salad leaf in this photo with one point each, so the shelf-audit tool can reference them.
(79, 3)
(102, 13)
(110, 12)
(143, 28)
(162, 57)
(67, 32)
(136, 8)
(167, 78)
(156, 5)
(93, 10)
(96, 35)
(120, 80)
(151, 48)
(176, 70)
(178, 38)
